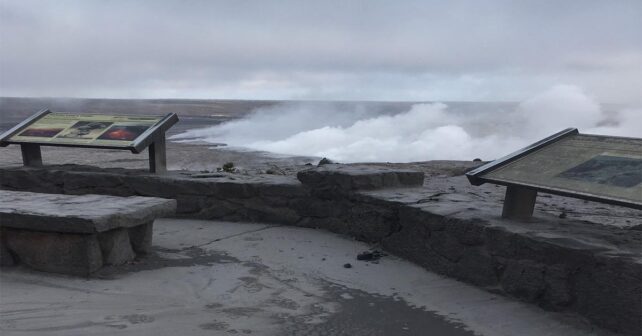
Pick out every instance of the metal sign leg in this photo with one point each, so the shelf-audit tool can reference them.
(157, 155)
(519, 203)
(31, 155)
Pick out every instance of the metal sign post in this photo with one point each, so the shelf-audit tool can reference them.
(31, 155)
(157, 156)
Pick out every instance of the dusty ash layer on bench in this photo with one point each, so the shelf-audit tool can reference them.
(78, 214)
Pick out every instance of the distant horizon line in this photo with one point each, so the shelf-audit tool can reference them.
(264, 100)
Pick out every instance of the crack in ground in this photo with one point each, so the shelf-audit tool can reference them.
(232, 236)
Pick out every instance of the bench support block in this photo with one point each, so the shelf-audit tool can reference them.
(141, 238)
(73, 253)
(157, 155)
(115, 247)
(31, 155)
(519, 203)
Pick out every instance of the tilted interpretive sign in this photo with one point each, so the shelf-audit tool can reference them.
(78, 129)
(594, 167)
(130, 132)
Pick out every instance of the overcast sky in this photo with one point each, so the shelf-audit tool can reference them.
(365, 50)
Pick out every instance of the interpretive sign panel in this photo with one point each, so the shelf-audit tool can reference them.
(91, 129)
(601, 168)
(129, 132)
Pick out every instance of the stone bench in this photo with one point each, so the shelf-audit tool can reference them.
(76, 235)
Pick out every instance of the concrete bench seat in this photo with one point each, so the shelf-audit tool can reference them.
(76, 235)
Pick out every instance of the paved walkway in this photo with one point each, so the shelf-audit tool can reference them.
(218, 278)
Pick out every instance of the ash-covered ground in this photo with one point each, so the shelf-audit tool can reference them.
(219, 278)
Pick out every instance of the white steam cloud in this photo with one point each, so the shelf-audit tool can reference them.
(428, 131)
(560, 107)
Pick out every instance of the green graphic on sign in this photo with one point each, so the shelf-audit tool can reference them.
(606, 169)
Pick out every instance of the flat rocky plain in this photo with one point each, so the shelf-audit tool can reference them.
(180, 156)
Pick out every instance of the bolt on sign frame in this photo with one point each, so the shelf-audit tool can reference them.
(599, 168)
(128, 132)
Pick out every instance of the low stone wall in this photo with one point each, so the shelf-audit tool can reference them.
(446, 226)
(556, 273)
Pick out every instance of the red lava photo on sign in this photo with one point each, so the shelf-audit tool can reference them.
(126, 133)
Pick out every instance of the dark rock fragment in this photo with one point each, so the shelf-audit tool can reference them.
(636, 227)
(324, 161)
(6, 259)
(370, 255)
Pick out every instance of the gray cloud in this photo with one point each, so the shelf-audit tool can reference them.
(410, 50)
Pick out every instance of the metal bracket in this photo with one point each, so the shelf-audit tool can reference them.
(519, 203)
(158, 155)
(31, 155)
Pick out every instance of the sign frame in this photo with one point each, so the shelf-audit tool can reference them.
(152, 138)
(520, 196)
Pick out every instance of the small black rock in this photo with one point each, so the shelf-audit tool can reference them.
(562, 215)
(365, 256)
(348, 265)
(370, 255)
